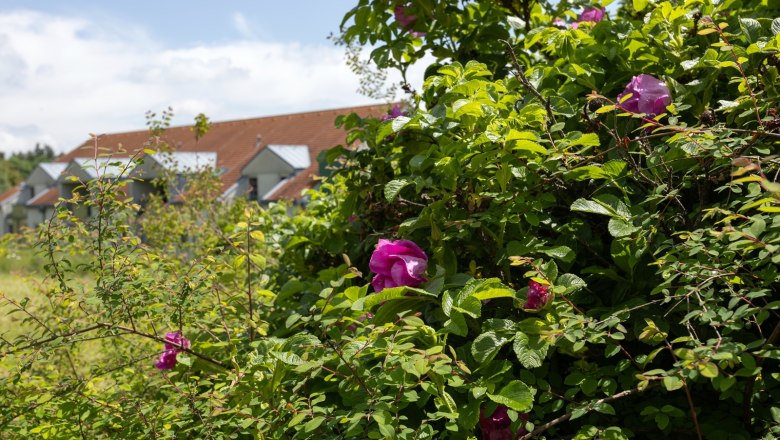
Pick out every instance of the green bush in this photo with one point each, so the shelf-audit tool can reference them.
(648, 244)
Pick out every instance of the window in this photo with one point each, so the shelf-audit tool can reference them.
(252, 191)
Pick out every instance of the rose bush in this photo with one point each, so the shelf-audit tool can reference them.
(651, 246)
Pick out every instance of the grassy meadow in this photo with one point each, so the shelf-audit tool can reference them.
(24, 285)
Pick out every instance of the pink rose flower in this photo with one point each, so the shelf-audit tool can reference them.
(397, 263)
(538, 296)
(590, 15)
(167, 359)
(406, 20)
(497, 426)
(649, 95)
(394, 113)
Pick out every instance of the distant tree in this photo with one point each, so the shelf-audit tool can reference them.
(19, 165)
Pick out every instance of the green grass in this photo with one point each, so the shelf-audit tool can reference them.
(18, 288)
(18, 259)
(28, 291)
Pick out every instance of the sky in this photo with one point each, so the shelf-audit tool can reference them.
(69, 68)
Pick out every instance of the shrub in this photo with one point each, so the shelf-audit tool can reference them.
(592, 271)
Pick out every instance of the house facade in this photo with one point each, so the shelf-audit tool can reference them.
(263, 159)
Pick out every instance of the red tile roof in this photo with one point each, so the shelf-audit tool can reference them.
(47, 198)
(236, 142)
(10, 192)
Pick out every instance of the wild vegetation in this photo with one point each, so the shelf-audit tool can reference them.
(570, 232)
(17, 166)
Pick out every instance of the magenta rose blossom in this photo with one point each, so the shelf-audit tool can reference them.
(538, 296)
(649, 95)
(167, 359)
(497, 426)
(397, 263)
(591, 15)
(394, 113)
(406, 20)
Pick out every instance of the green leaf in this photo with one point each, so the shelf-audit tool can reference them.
(526, 145)
(563, 253)
(530, 353)
(639, 5)
(456, 324)
(515, 395)
(313, 424)
(585, 173)
(620, 228)
(467, 107)
(751, 28)
(672, 383)
(586, 140)
(399, 123)
(708, 369)
(184, 359)
(393, 187)
(486, 346)
(590, 206)
(388, 295)
(496, 292)
(776, 26)
(288, 358)
(571, 282)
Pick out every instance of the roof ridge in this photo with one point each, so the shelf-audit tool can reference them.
(245, 120)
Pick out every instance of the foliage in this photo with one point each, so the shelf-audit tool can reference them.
(14, 168)
(655, 237)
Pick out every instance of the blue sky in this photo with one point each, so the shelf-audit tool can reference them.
(178, 23)
(73, 67)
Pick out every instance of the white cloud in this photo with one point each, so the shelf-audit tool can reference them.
(62, 78)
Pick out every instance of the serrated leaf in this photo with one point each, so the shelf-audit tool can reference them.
(390, 294)
(750, 29)
(527, 145)
(456, 324)
(393, 187)
(571, 282)
(530, 353)
(563, 253)
(620, 228)
(590, 206)
(515, 395)
(486, 346)
(494, 293)
(288, 358)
